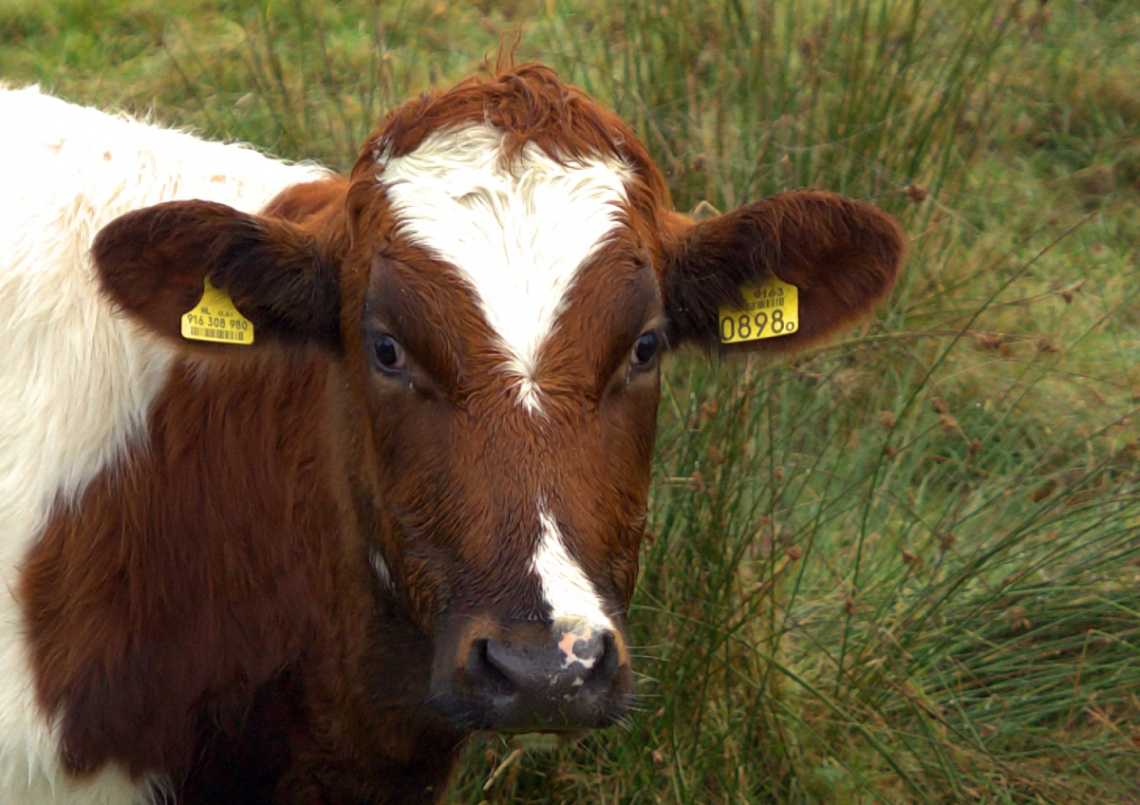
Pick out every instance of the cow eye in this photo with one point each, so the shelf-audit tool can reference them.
(387, 355)
(645, 350)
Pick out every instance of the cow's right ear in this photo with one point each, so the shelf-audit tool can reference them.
(154, 264)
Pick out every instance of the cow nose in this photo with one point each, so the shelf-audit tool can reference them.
(578, 659)
(528, 677)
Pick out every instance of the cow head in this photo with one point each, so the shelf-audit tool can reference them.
(495, 285)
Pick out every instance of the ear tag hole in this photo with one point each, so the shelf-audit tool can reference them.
(216, 319)
(771, 309)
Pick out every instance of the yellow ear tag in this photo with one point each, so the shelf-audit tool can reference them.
(771, 309)
(216, 319)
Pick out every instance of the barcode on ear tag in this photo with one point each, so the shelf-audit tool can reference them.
(771, 309)
(216, 319)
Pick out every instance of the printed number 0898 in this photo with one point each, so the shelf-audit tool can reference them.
(747, 327)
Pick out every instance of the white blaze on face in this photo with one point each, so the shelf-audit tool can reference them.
(570, 595)
(517, 233)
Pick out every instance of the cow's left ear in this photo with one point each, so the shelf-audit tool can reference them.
(154, 264)
(842, 255)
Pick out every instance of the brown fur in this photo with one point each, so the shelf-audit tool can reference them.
(207, 609)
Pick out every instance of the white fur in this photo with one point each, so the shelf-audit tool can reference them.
(380, 568)
(518, 234)
(570, 594)
(76, 380)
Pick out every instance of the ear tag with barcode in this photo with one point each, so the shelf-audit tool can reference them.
(216, 319)
(771, 309)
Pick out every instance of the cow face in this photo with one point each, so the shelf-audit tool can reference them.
(496, 283)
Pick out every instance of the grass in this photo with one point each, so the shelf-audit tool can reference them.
(905, 568)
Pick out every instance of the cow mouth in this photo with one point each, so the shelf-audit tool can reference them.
(525, 721)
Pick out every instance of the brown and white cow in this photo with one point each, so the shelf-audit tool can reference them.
(303, 570)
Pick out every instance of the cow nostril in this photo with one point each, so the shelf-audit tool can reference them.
(607, 665)
(484, 671)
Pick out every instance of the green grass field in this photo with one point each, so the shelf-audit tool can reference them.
(904, 568)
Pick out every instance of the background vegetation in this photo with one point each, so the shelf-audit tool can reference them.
(905, 568)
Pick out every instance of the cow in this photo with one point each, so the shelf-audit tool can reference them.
(306, 477)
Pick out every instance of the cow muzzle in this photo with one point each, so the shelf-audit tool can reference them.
(528, 676)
